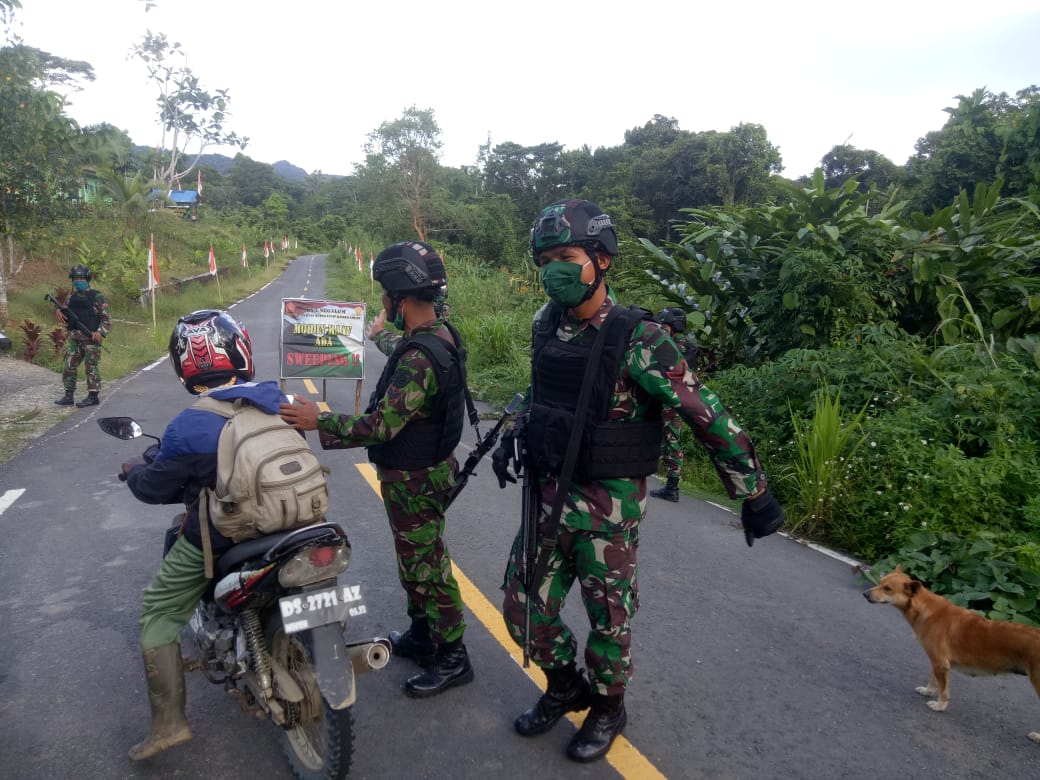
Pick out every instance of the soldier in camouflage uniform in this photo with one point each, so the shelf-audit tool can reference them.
(411, 428)
(92, 309)
(673, 320)
(639, 372)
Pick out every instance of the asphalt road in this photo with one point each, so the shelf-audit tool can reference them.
(760, 663)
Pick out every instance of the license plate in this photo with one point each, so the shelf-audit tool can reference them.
(318, 607)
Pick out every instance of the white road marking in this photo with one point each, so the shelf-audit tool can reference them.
(8, 498)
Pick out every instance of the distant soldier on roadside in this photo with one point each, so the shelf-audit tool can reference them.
(674, 321)
(91, 307)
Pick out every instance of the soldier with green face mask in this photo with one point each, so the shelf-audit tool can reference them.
(411, 427)
(625, 369)
(91, 309)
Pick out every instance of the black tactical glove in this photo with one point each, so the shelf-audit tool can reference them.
(151, 454)
(506, 453)
(500, 459)
(760, 517)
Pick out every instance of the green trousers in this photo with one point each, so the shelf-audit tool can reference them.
(170, 599)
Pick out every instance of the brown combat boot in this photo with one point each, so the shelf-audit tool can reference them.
(164, 671)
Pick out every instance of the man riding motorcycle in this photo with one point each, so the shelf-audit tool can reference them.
(212, 355)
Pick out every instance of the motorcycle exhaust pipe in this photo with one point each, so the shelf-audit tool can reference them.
(370, 656)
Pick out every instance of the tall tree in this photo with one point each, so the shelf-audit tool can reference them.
(36, 142)
(406, 152)
(741, 163)
(191, 117)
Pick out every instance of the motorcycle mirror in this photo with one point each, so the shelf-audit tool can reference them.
(121, 427)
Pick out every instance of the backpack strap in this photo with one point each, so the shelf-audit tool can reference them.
(226, 409)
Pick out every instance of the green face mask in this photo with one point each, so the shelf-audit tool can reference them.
(562, 282)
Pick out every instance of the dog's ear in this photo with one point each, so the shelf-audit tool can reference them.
(899, 569)
(913, 587)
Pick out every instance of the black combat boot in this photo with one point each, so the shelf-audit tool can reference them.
(415, 643)
(450, 667)
(66, 400)
(670, 491)
(90, 400)
(567, 691)
(605, 721)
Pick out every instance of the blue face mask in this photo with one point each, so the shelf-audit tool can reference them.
(79, 285)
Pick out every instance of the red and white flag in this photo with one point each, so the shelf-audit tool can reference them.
(267, 252)
(359, 256)
(153, 264)
(245, 260)
(200, 181)
(371, 266)
(212, 261)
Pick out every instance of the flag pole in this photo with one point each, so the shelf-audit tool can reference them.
(151, 273)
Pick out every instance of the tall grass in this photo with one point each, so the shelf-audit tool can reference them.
(817, 480)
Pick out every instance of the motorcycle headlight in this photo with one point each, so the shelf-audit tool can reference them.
(313, 564)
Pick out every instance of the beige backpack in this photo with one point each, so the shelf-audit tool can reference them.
(268, 477)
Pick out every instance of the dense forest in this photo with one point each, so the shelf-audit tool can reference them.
(875, 326)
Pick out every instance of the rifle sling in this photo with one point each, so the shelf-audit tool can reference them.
(547, 544)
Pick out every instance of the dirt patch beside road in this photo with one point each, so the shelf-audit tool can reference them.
(27, 410)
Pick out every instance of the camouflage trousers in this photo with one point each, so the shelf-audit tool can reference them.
(671, 448)
(416, 514)
(604, 564)
(77, 351)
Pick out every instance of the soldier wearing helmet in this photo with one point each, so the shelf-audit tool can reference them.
(411, 427)
(91, 309)
(673, 320)
(212, 356)
(607, 371)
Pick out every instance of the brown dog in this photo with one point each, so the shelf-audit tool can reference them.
(957, 638)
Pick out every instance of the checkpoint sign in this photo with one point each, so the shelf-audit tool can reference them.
(322, 339)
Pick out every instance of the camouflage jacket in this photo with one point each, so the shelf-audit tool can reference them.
(653, 371)
(410, 396)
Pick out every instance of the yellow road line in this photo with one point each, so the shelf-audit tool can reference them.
(623, 755)
(310, 386)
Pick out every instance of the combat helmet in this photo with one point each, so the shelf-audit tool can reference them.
(573, 223)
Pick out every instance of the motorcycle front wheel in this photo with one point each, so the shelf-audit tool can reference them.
(319, 744)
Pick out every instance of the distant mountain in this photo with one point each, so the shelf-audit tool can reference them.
(221, 163)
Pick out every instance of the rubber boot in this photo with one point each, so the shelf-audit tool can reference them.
(670, 491)
(164, 671)
(567, 691)
(415, 643)
(90, 400)
(66, 400)
(605, 721)
(450, 667)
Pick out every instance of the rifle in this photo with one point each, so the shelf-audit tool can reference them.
(71, 318)
(484, 445)
(530, 501)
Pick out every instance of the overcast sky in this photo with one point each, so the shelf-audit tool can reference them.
(310, 79)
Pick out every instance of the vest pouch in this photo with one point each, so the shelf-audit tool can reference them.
(620, 449)
(548, 432)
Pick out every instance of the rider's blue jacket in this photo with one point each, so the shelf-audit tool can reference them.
(187, 459)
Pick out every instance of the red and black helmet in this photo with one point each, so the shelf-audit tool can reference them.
(208, 347)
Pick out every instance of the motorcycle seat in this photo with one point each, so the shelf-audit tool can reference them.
(256, 548)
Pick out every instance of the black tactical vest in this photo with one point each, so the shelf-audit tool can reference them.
(609, 448)
(427, 442)
(82, 305)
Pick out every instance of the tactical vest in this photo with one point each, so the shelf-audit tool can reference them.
(82, 305)
(427, 442)
(609, 448)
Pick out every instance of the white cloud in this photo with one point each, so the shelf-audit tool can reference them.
(309, 80)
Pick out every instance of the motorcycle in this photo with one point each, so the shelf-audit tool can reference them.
(270, 629)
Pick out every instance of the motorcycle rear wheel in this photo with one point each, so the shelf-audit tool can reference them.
(321, 745)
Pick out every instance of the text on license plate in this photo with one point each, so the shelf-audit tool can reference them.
(319, 607)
